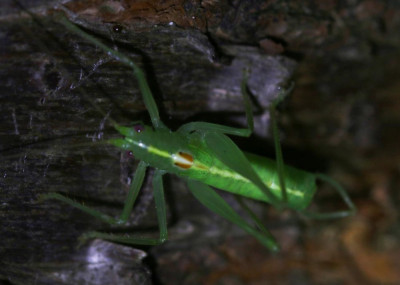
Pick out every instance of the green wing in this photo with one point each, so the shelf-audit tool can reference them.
(230, 154)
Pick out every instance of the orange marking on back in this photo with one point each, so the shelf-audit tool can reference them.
(183, 160)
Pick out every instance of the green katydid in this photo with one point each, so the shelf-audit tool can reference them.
(205, 156)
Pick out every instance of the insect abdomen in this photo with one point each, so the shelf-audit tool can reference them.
(300, 185)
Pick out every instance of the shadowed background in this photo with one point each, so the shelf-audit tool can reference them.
(341, 119)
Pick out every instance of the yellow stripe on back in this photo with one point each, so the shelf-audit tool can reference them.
(185, 160)
(158, 152)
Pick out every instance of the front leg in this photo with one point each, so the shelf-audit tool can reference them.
(161, 217)
(129, 202)
(148, 98)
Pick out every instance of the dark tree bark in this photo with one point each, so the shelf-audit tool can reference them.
(341, 119)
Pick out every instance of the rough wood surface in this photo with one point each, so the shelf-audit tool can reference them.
(342, 118)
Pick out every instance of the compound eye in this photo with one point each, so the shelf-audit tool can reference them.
(138, 128)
